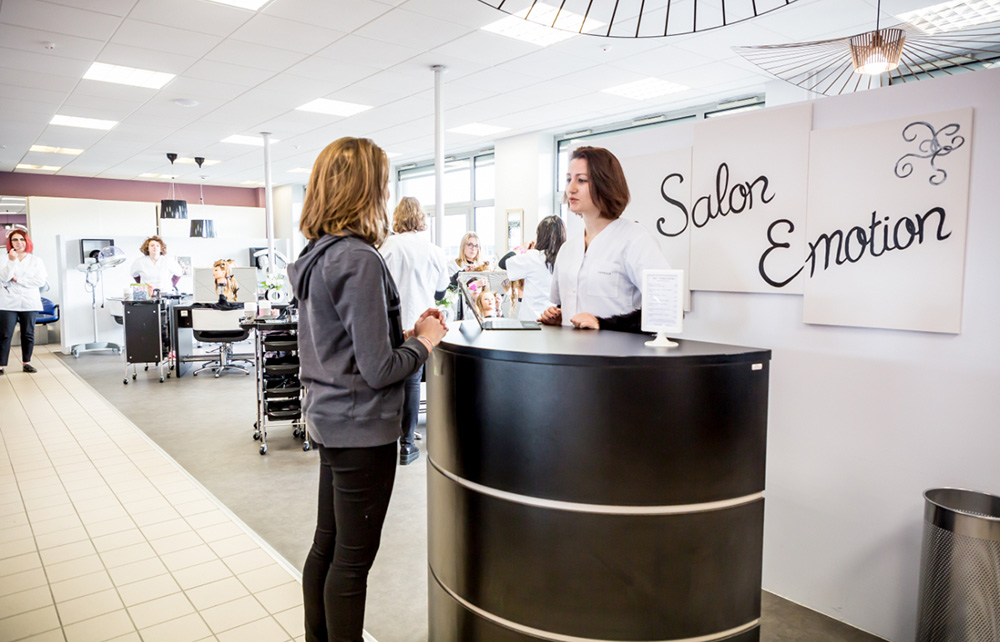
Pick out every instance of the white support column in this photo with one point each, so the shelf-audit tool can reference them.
(438, 155)
(268, 203)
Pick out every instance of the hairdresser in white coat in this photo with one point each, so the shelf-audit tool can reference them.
(420, 271)
(597, 280)
(154, 267)
(535, 267)
(22, 275)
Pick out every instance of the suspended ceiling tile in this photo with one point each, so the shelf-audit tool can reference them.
(42, 62)
(253, 55)
(606, 50)
(499, 80)
(198, 89)
(128, 56)
(812, 19)
(95, 107)
(148, 35)
(196, 15)
(118, 8)
(342, 15)
(33, 40)
(73, 137)
(660, 61)
(399, 83)
(215, 71)
(372, 53)
(335, 73)
(45, 97)
(63, 19)
(288, 34)
(546, 64)
(412, 30)
(470, 14)
(486, 48)
(600, 77)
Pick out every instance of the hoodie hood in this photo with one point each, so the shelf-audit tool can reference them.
(301, 269)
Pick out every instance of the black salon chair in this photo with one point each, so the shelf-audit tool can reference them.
(221, 327)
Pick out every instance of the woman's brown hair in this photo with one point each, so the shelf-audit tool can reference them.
(608, 188)
(408, 216)
(145, 245)
(347, 192)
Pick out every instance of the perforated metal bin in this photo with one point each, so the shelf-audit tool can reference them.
(960, 567)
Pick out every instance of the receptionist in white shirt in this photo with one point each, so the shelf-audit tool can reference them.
(155, 267)
(598, 275)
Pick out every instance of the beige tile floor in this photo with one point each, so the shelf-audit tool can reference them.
(104, 537)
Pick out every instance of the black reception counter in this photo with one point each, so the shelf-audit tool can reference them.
(582, 486)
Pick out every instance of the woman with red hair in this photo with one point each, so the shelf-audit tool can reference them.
(22, 274)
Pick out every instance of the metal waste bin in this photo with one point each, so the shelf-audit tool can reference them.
(960, 567)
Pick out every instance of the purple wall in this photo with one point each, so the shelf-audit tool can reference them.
(106, 189)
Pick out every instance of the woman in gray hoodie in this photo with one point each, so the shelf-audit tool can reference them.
(354, 356)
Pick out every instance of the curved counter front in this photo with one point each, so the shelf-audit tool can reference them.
(582, 486)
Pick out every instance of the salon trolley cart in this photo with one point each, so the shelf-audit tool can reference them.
(279, 390)
(146, 337)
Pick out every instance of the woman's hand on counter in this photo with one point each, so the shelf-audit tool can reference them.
(551, 316)
(585, 321)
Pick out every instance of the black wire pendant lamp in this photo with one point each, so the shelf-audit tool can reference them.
(636, 18)
(886, 56)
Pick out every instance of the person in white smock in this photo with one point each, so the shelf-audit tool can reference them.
(535, 267)
(154, 267)
(22, 275)
(420, 271)
(597, 278)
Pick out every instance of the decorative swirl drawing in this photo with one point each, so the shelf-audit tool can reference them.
(931, 148)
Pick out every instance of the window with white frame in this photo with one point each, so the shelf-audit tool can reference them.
(469, 192)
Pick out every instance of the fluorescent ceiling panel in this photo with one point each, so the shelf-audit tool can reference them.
(128, 75)
(40, 168)
(85, 123)
(45, 149)
(565, 23)
(645, 89)
(240, 139)
(956, 14)
(478, 129)
(333, 107)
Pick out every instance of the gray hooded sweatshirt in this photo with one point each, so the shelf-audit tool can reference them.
(352, 372)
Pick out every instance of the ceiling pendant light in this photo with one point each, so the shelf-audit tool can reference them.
(617, 19)
(877, 52)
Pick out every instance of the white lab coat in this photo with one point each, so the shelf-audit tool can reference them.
(23, 295)
(531, 267)
(419, 269)
(605, 279)
(160, 274)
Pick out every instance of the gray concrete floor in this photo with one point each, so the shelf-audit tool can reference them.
(206, 425)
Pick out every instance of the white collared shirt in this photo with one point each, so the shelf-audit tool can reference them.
(419, 269)
(23, 295)
(531, 267)
(605, 279)
(160, 274)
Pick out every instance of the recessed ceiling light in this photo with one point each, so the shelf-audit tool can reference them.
(40, 168)
(240, 139)
(645, 89)
(186, 102)
(478, 129)
(956, 14)
(152, 175)
(191, 161)
(45, 149)
(252, 5)
(128, 75)
(300, 170)
(86, 123)
(13, 199)
(257, 183)
(536, 30)
(333, 107)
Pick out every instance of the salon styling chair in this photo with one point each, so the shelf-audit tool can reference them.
(221, 327)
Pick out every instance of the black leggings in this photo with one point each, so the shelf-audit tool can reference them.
(10, 318)
(354, 489)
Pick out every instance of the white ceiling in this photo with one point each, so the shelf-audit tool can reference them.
(250, 70)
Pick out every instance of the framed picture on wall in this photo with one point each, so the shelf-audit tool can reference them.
(515, 229)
